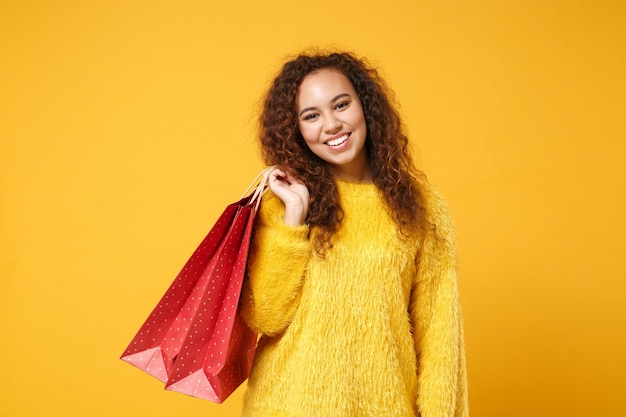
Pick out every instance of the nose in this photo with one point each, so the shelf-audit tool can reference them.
(331, 124)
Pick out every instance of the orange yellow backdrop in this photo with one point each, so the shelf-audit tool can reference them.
(126, 127)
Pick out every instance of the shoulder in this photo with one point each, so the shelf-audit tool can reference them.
(272, 212)
(439, 222)
(435, 205)
(272, 208)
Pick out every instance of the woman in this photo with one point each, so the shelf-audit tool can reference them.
(351, 276)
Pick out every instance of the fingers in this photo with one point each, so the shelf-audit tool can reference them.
(288, 187)
(278, 183)
(282, 176)
(293, 193)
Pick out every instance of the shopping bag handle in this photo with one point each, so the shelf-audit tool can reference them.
(261, 187)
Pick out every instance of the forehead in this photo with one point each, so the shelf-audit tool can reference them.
(324, 85)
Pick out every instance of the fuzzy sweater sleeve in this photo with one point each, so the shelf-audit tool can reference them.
(437, 319)
(276, 264)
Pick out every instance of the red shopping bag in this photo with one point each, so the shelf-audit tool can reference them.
(195, 340)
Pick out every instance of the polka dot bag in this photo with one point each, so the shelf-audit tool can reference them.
(195, 340)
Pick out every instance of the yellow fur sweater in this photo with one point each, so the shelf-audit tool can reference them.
(373, 329)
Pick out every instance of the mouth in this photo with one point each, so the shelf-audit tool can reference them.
(337, 141)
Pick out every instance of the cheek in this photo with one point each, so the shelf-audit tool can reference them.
(309, 133)
(357, 118)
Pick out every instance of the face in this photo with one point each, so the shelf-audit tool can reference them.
(331, 120)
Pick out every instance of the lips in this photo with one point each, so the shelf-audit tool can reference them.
(337, 140)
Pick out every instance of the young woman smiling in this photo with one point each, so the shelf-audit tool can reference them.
(352, 271)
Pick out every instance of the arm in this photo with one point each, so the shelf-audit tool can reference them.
(437, 319)
(276, 265)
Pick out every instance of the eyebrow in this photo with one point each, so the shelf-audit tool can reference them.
(336, 98)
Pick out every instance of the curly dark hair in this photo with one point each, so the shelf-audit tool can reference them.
(387, 145)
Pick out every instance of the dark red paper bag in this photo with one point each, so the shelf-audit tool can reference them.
(195, 340)
(206, 366)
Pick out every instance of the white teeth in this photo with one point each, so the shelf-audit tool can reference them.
(338, 141)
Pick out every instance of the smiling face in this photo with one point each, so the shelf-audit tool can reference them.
(331, 121)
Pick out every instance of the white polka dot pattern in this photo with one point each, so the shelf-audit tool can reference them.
(217, 332)
(194, 340)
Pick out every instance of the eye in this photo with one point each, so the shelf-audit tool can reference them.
(342, 105)
(310, 116)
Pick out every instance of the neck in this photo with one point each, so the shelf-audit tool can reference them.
(361, 175)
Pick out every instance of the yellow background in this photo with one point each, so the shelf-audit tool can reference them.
(127, 126)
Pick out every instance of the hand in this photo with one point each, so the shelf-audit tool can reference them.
(294, 195)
